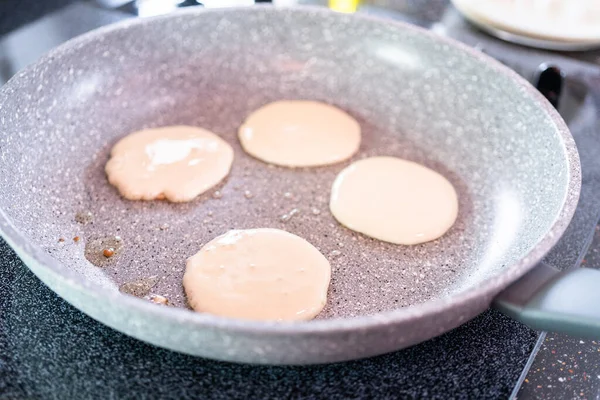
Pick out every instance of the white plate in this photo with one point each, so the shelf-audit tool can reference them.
(549, 24)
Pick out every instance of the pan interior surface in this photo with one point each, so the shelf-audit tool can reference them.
(415, 98)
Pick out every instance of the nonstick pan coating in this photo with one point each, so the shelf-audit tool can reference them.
(416, 96)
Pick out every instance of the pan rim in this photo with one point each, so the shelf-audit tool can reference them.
(485, 291)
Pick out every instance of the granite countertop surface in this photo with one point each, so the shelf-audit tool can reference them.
(566, 367)
(16, 13)
(50, 350)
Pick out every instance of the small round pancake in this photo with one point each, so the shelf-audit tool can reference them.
(300, 134)
(394, 200)
(258, 274)
(176, 163)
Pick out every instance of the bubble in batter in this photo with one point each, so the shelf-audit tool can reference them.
(300, 134)
(176, 163)
(394, 200)
(258, 274)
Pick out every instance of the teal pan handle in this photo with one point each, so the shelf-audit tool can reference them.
(550, 300)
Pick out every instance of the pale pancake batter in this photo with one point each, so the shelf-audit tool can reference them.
(300, 134)
(176, 163)
(394, 200)
(258, 274)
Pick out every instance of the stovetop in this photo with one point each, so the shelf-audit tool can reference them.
(48, 349)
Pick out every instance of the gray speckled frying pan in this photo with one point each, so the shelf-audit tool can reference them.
(416, 96)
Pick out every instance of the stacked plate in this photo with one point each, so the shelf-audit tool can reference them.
(549, 24)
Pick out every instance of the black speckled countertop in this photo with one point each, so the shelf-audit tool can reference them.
(566, 367)
(49, 350)
(15, 13)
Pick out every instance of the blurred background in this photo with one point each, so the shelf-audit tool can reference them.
(31, 27)
(61, 353)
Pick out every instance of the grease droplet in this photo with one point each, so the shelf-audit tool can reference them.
(109, 252)
(248, 194)
(139, 288)
(217, 194)
(95, 250)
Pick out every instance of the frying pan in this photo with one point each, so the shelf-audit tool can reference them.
(416, 96)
